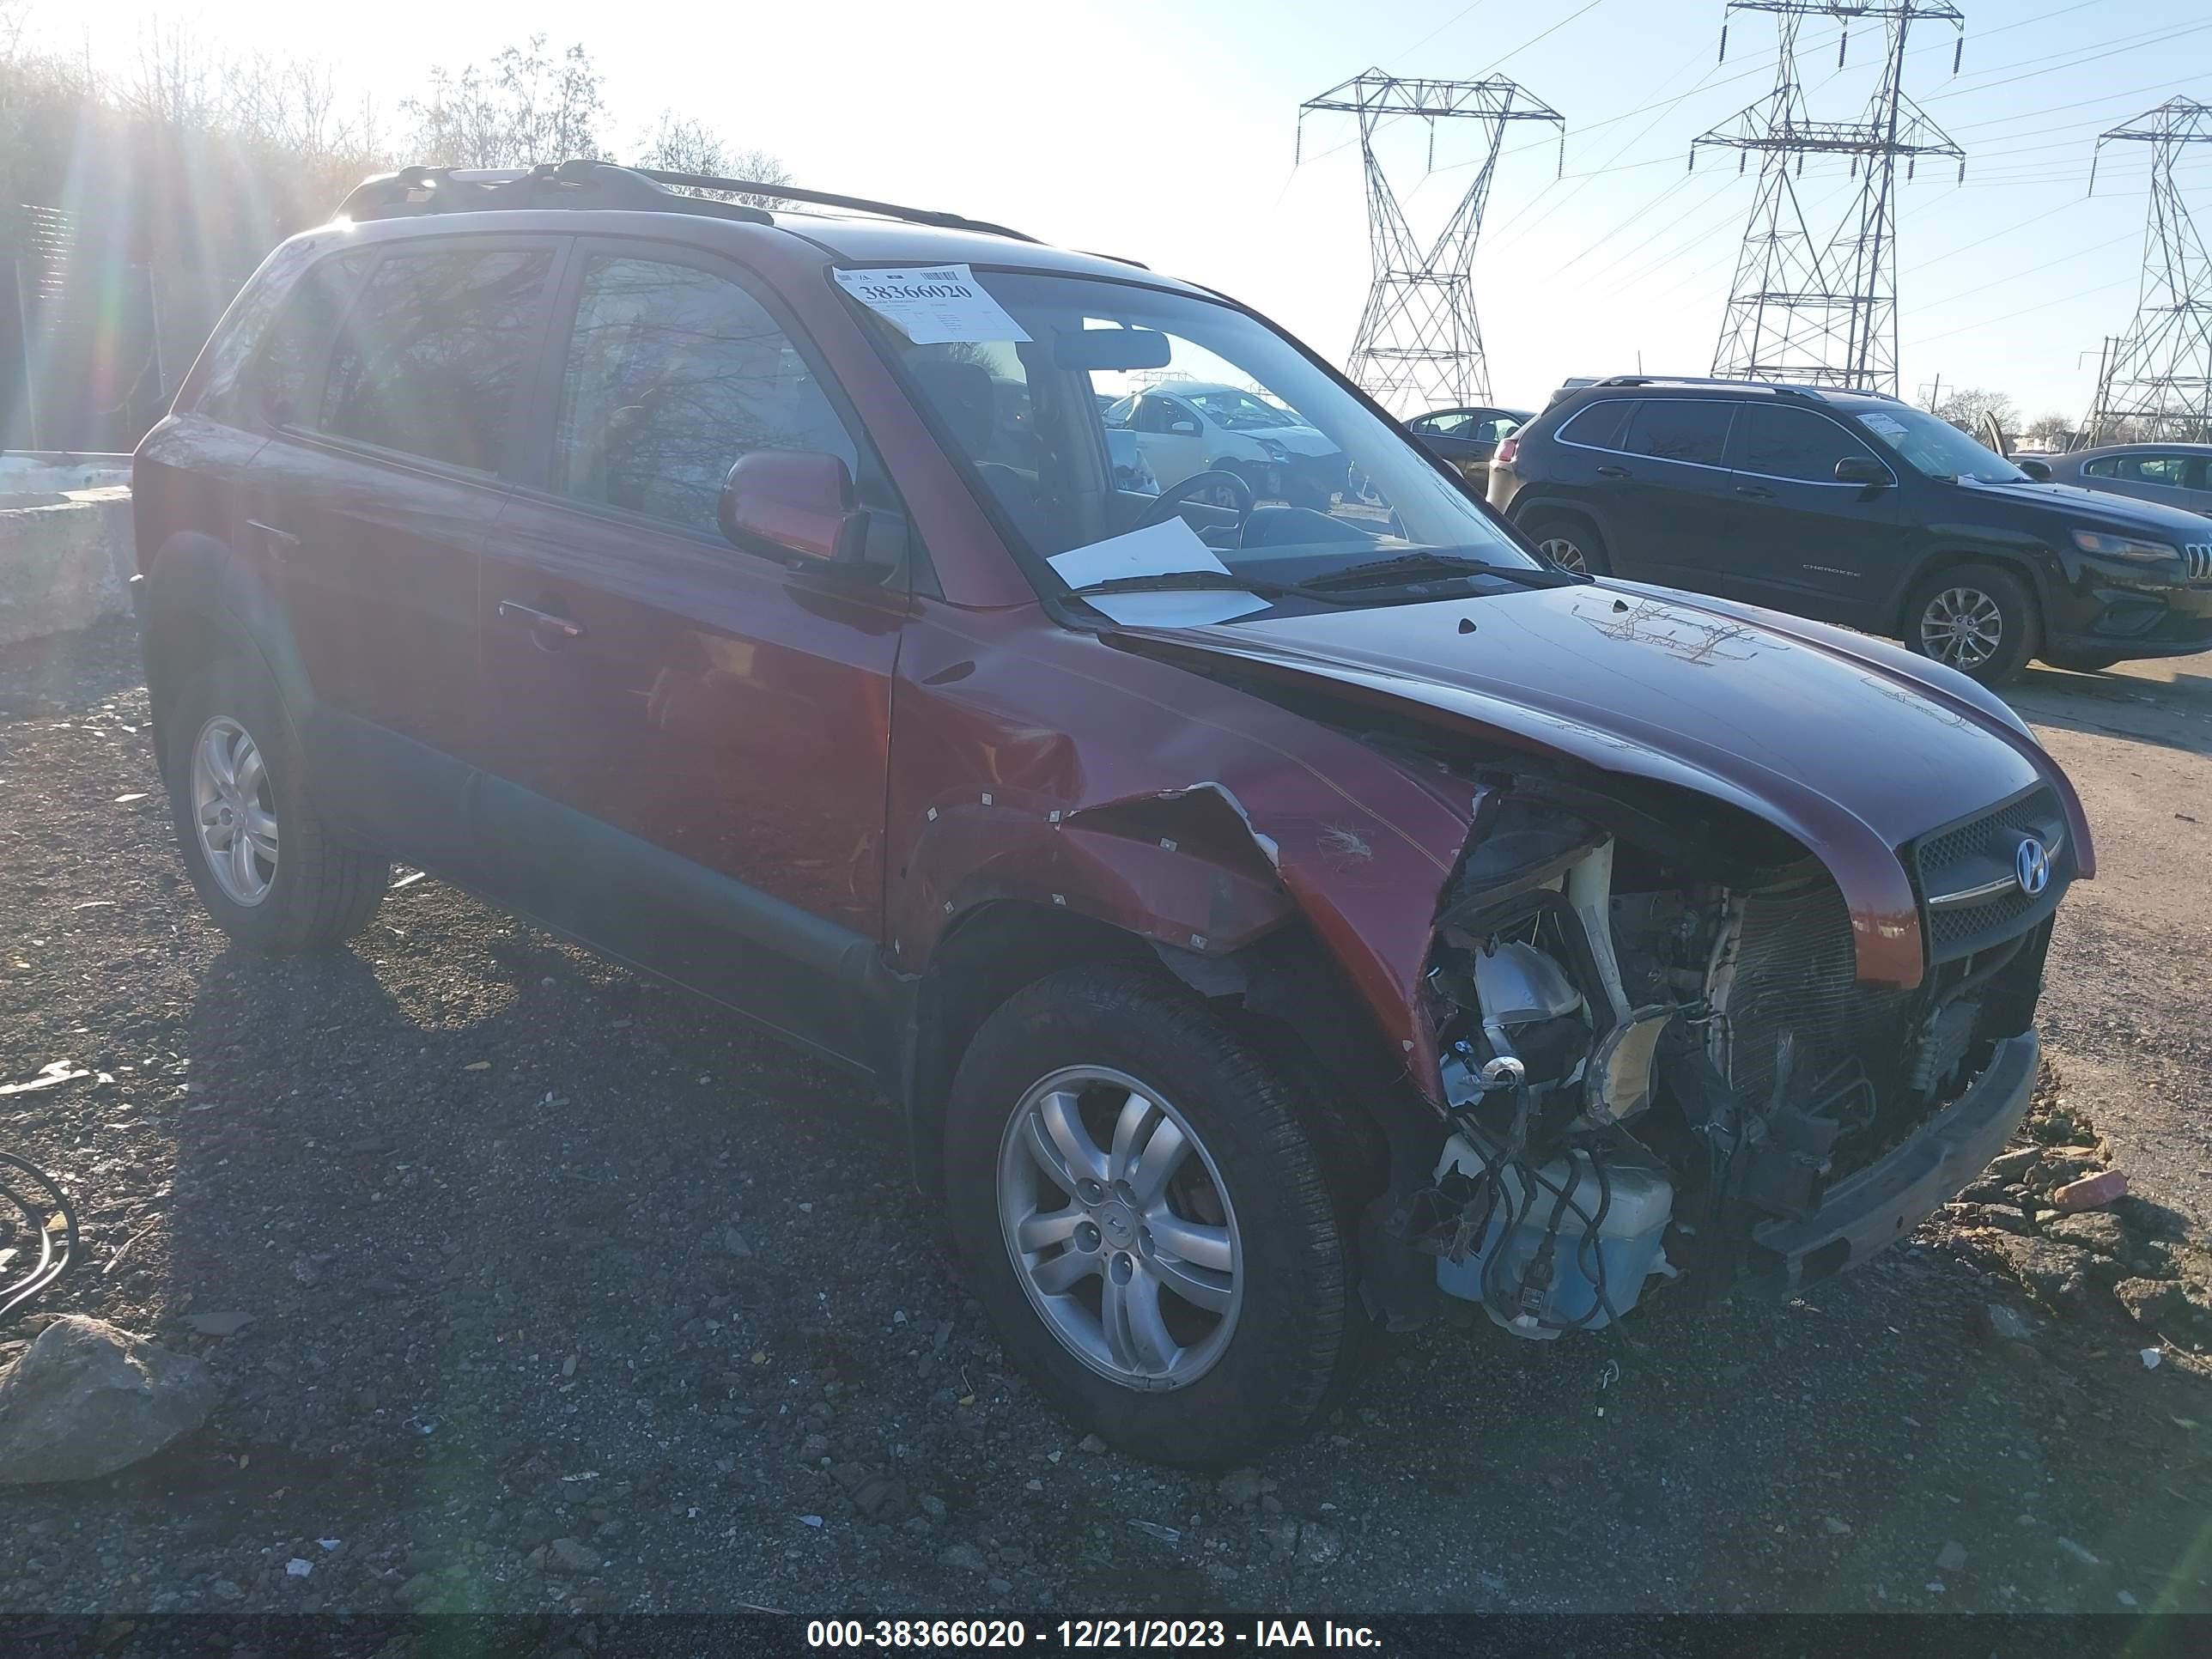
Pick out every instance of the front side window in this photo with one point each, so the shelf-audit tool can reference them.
(672, 374)
(1937, 449)
(1291, 476)
(2105, 466)
(1780, 442)
(430, 361)
(1680, 429)
(2166, 470)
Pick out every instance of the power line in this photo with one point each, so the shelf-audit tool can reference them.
(1545, 35)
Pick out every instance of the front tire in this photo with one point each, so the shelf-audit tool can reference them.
(258, 854)
(1141, 1208)
(1978, 618)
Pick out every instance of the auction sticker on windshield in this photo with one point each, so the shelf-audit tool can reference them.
(1886, 425)
(933, 307)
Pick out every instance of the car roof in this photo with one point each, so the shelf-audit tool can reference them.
(2139, 449)
(574, 195)
(1634, 386)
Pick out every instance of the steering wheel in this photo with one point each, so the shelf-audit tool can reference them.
(1167, 500)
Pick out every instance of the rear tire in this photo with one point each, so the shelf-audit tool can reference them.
(1569, 542)
(292, 888)
(1980, 619)
(1201, 1381)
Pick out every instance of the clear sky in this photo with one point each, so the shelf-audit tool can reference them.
(1163, 130)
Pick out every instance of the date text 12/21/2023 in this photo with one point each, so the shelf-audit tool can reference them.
(1075, 1635)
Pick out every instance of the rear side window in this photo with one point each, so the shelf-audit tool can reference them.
(1780, 442)
(673, 373)
(1680, 429)
(430, 361)
(1599, 425)
(2168, 470)
(288, 368)
(2107, 466)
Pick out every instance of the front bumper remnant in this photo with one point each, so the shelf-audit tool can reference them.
(1877, 1205)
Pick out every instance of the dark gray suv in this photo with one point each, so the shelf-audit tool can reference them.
(1855, 508)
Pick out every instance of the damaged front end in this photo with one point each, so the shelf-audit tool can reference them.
(1660, 1064)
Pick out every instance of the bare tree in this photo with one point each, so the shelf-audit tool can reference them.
(528, 107)
(175, 84)
(2048, 432)
(1965, 408)
(683, 143)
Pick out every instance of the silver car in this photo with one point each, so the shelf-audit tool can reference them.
(2178, 475)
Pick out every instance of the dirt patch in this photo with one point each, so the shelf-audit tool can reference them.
(548, 1290)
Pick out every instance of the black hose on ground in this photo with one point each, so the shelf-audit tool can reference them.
(36, 1196)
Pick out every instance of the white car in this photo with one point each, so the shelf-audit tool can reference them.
(1184, 428)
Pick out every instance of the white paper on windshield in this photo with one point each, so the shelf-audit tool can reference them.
(932, 307)
(1888, 425)
(1157, 549)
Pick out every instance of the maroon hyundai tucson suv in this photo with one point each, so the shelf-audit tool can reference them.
(1271, 918)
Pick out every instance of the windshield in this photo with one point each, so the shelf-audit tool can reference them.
(1934, 447)
(1288, 477)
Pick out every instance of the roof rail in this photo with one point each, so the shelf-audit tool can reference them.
(1780, 388)
(824, 199)
(577, 184)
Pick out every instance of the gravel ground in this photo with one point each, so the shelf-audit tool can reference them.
(562, 1296)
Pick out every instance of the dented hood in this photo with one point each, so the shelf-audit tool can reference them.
(1846, 743)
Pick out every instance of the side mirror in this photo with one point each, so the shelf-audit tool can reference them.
(1183, 427)
(2038, 471)
(781, 501)
(1861, 470)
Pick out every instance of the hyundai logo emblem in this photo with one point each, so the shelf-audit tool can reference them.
(2030, 866)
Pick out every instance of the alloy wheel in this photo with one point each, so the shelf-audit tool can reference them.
(234, 812)
(1563, 553)
(1962, 627)
(1120, 1228)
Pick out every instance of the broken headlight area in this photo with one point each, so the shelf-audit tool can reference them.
(1652, 1049)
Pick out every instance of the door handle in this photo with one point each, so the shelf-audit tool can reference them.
(1612, 472)
(280, 542)
(548, 627)
(1757, 492)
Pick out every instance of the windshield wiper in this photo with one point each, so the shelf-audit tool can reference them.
(1168, 582)
(1411, 567)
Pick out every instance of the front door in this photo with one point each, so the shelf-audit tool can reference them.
(691, 742)
(1803, 542)
(371, 499)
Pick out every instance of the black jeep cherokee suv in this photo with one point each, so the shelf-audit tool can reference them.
(1856, 508)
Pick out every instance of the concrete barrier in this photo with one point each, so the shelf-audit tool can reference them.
(66, 547)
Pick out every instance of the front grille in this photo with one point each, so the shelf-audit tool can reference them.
(1980, 852)
(1796, 982)
(2198, 557)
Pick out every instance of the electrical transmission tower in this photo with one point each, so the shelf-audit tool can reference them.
(1810, 303)
(2155, 382)
(1420, 345)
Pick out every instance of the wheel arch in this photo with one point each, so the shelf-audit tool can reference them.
(1283, 991)
(204, 597)
(1956, 557)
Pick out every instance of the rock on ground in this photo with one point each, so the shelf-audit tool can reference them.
(87, 1400)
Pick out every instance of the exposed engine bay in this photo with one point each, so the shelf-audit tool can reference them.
(1655, 1046)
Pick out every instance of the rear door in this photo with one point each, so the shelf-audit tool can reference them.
(689, 743)
(1671, 500)
(1802, 541)
(371, 499)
